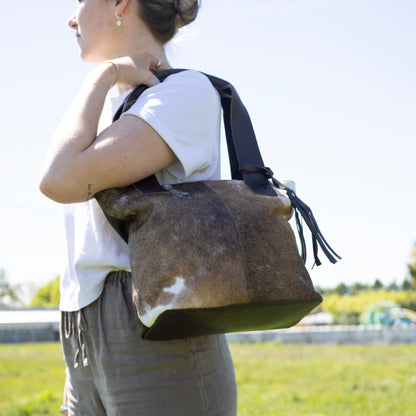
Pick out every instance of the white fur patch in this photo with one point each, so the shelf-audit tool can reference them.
(177, 287)
(151, 314)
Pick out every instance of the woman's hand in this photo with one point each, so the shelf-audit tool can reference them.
(127, 72)
(136, 70)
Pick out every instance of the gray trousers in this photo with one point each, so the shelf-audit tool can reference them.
(112, 371)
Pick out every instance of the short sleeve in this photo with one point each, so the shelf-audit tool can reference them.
(185, 110)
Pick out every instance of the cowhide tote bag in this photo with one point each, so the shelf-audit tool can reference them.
(216, 256)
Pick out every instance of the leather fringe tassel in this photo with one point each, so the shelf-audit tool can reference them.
(306, 214)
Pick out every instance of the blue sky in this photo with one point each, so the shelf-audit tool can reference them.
(330, 86)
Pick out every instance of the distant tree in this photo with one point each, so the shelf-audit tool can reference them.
(412, 266)
(341, 289)
(393, 287)
(357, 288)
(407, 285)
(378, 285)
(8, 296)
(47, 295)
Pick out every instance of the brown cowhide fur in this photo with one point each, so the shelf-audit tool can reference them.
(210, 243)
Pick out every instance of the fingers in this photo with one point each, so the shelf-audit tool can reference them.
(152, 80)
(154, 66)
(138, 69)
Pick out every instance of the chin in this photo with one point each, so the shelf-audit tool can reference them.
(91, 57)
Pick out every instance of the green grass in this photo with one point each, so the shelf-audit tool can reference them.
(325, 380)
(273, 380)
(32, 377)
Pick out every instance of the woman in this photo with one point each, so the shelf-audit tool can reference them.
(173, 131)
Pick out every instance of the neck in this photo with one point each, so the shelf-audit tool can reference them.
(135, 41)
(158, 53)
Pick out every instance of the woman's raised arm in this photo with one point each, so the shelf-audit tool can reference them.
(80, 163)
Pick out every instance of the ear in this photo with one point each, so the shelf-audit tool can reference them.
(121, 6)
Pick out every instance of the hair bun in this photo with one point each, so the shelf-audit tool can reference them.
(165, 17)
(186, 11)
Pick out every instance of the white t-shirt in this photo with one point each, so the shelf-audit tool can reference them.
(185, 110)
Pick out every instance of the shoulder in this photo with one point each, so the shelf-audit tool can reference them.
(190, 78)
(190, 86)
(194, 89)
(182, 94)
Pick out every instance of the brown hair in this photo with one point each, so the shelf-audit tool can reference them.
(165, 17)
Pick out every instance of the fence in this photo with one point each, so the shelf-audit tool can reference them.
(29, 325)
(333, 334)
(43, 325)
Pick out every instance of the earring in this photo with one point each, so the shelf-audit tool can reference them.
(119, 18)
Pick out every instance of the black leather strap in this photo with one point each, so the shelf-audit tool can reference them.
(242, 145)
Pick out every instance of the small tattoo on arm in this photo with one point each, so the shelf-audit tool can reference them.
(89, 195)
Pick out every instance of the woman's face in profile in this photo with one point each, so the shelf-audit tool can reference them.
(95, 24)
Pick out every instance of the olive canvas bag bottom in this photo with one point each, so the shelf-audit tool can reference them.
(216, 256)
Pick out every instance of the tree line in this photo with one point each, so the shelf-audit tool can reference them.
(357, 287)
(409, 283)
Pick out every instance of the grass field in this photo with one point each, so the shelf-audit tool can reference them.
(273, 380)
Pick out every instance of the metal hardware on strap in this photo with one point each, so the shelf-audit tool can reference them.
(257, 169)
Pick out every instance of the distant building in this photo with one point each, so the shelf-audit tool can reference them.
(29, 325)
